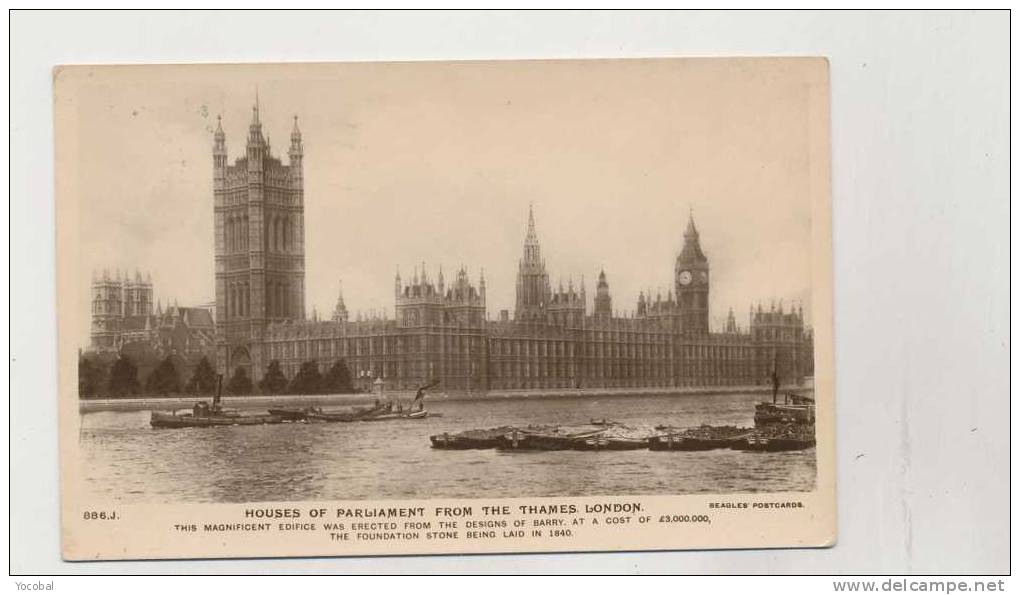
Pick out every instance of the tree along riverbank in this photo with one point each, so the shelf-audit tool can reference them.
(264, 401)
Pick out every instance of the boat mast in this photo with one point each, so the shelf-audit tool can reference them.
(775, 379)
(219, 389)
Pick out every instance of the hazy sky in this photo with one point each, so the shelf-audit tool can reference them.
(438, 163)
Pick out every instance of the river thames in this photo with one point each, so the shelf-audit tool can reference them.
(125, 460)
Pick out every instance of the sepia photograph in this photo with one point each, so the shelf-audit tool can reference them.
(413, 282)
(715, 294)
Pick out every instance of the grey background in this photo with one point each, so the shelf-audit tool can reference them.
(920, 151)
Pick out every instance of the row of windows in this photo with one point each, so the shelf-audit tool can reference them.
(777, 334)
(374, 346)
(568, 369)
(414, 317)
(235, 231)
(238, 300)
(281, 298)
(470, 373)
(473, 344)
(281, 233)
(715, 351)
(568, 348)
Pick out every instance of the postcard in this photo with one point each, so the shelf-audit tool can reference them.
(444, 307)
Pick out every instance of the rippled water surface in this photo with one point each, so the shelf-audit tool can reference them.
(126, 460)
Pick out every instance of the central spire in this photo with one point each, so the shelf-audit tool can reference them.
(533, 290)
(532, 251)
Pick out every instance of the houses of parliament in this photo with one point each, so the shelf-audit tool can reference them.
(441, 330)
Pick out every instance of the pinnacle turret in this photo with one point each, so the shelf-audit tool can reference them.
(255, 137)
(296, 150)
(219, 136)
(532, 236)
(692, 245)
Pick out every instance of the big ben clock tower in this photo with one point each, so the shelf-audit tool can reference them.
(692, 283)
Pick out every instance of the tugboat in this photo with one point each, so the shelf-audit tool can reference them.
(204, 415)
(795, 409)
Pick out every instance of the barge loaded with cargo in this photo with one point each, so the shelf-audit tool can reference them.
(785, 426)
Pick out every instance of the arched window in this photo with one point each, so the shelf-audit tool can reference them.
(226, 234)
(269, 301)
(284, 224)
(244, 232)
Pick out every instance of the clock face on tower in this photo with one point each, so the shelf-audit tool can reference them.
(703, 277)
(685, 278)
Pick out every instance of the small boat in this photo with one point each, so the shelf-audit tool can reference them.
(340, 416)
(380, 413)
(420, 414)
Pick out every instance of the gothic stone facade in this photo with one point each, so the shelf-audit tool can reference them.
(260, 260)
(443, 332)
(122, 313)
